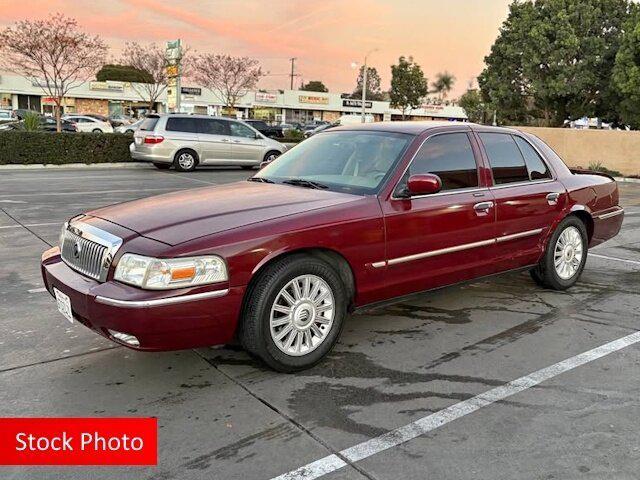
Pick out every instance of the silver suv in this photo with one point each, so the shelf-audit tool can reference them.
(186, 141)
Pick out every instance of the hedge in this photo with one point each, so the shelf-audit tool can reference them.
(19, 147)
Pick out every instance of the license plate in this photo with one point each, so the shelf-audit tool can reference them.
(64, 304)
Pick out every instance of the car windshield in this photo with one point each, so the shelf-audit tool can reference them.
(348, 161)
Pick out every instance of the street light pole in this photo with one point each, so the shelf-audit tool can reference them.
(364, 85)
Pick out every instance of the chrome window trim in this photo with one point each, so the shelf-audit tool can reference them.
(611, 214)
(520, 184)
(449, 192)
(457, 248)
(114, 302)
(111, 242)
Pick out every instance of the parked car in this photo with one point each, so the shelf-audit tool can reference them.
(87, 123)
(319, 128)
(47, 124)
(6, 116)
(186, 141)
(19, 113)
(271, 131)
(349, 218)
(120, 120)
(129, 128)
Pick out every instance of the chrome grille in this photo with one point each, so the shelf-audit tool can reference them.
(88, 249)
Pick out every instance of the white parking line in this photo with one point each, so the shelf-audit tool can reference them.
(606, 257)
(32, 225)
(431, 422)
(37, 290)
(91, 192)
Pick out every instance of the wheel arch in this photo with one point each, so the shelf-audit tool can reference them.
(585, 216)
(330, 256)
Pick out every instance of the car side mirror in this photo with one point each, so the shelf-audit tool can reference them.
(423, 184)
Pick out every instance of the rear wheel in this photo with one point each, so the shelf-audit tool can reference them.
(271, 156)
(162, 166)
(96, 130)
(565, 256)
(294, 313)
(185, 161)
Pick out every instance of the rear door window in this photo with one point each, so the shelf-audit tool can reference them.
(507, 163)
(214, 126)
(240, 130)
(149, 123)
(538, 170)
(182, 124)
(450, 157)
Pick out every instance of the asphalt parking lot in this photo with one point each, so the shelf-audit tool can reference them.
(224, 416)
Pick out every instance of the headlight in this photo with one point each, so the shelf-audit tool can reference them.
(165, 273)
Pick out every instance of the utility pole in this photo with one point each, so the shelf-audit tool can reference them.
(364, 85)
(293, 61)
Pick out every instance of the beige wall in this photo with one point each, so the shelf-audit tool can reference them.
(89, 105)
(616, 150)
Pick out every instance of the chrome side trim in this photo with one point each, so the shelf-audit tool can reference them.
(611, 214)
(161, 301)
(442, 251)
(457, 248)
(515, 236)
(500, 186)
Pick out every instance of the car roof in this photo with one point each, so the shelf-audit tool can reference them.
(194, 115)
(419, 127)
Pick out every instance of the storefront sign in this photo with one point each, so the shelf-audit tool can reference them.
(265, 97)
(313, 99)
(191, 91)
(351, 102)
(107, 86)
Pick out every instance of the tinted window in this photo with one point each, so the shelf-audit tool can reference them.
(538, 170)
(450, 157)
(149, 123)
(240, 130)
(214, 127)
(505, 158)
(182, 124)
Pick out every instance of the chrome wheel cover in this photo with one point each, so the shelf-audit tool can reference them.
(186, 160)
(568, 252)
(272, 157)
(302, 315)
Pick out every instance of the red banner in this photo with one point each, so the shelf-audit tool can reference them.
(78, 441)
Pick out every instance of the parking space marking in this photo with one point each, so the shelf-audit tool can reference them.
(31, 225)
(606, 257)
(92, 192)
(431, 422)
(37, 290)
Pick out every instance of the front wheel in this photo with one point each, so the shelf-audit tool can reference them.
(271, 156)
(565, 256)
(294, 313)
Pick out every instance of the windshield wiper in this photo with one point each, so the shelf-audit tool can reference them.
(259, 179)
(301, 182)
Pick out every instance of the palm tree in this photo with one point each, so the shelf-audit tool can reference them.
(443, 84)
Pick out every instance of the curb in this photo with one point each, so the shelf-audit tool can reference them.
(627, 180)
(48, 166)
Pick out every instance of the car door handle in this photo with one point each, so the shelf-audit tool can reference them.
(482, 206)
(552, 198)
(225, 139)
(236, 141)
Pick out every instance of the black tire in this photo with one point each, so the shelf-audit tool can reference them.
(271, 155)
(162, 166)
(254, 330)
(545, 273)
(180, 166)
(96, 130)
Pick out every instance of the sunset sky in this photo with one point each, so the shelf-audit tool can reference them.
(326, 36)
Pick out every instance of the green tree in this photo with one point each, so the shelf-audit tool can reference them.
(373, 84)
(553, 60)
(314, 86)
(474, 107)
(123, 73)
(626, 74)
(443, 84)
(408, 85)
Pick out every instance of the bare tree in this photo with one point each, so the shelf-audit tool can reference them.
(229, 78)
(150, 59)
(53, 54)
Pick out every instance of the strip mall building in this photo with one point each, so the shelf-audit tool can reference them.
(283, 106)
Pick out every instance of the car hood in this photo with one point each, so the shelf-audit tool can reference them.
(180, 216)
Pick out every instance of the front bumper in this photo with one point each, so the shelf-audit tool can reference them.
(160, 320)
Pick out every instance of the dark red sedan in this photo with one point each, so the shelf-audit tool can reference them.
(349, 218)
